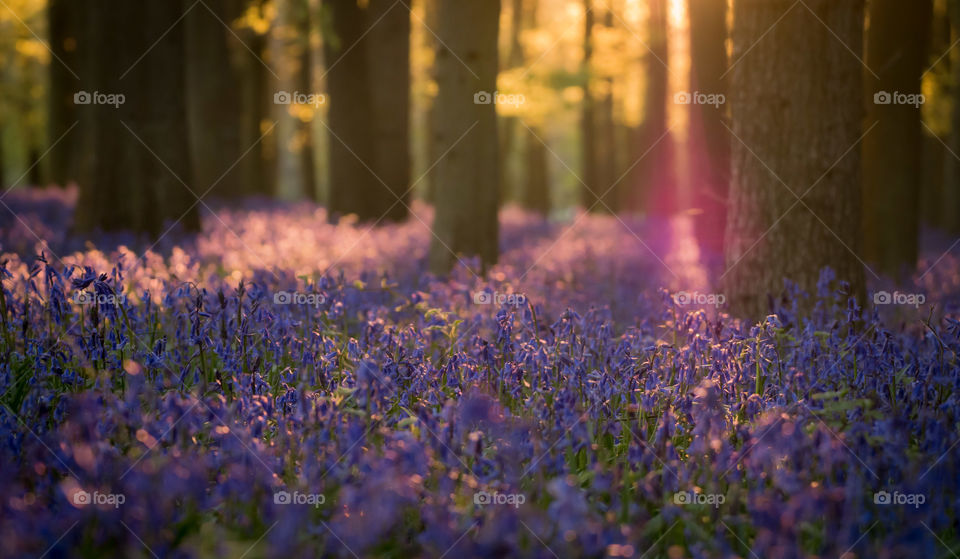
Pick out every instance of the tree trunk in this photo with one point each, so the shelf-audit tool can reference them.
(212, 100)
(709, 138)
(951, 187)
(892, 150)
(806, 132)
(536, 192)
(289, 52)
(388, 54)
(255, 106)
(368, 78)
(652, 181)
(137, 146)
(588, 131)
(466, 215)
(64, 17)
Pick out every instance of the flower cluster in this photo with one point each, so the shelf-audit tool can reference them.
(180, 410)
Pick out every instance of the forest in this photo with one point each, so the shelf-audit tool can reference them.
(480, 278)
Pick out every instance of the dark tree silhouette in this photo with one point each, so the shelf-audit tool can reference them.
(892, 149)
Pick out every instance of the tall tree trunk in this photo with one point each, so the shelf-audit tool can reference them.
(212, 100)
(951, 187)
(289, 51)
(709, 138)
(536, 183)
(588, 130)
(651, 180)
(137, 146)
(466, 216)
(805, 131)
(605, 147)
(536, 191)
(388, 53)
(509, 128)
(64, 17)
(368, 78)
(892, 152)
(255, 106)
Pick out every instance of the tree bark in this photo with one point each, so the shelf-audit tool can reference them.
(466, 215)
(137, 155)
(892, 150)
(709, 138)
(388, 54)
(64, 17)
(951, 187)
(804, 131)
(652, 184)
(588, 130)
(212, 99)
(289, 52)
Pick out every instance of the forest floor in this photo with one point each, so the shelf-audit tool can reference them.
(281, 386)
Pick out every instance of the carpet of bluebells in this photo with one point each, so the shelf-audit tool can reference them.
(279, 386)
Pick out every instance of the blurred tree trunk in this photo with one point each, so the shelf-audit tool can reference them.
(255, 108)
(509, 124)
(368, 78)
(652, 185)
(588, 131)
(892, 150)
(805, 131)
(212, 100)
(430, 8)
(138, 156)
(605, 147)
(466, 200)
(64, 16)
(536, 191)
(951, 187)
(536, 184)
(709, 138)
(289, 52)
(388, 54)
